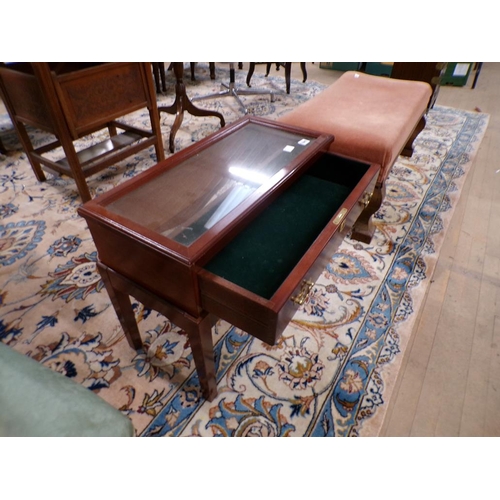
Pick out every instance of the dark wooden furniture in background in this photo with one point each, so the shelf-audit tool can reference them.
(477, 68)
(73, 100)
(159, 76)
(256, 192)
(211, 66)
(231, 89)
(288, 72)
(182, 103)
(429, 72)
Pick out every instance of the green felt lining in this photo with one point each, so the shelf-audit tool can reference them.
(260, 258)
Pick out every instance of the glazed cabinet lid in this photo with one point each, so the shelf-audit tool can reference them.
(209, 185)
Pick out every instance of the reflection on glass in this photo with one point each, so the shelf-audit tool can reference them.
(184, 202)
(239, 193)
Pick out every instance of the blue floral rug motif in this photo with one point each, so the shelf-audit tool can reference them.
(332, 372)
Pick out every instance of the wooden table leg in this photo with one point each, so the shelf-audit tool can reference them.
(182, 103)
(200, 338)
(123, 307)
(198, 329)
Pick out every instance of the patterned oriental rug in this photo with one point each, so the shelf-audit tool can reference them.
(332, 373)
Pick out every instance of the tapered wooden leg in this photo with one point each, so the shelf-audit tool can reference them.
(76, 168)
(162, 76)
(251, 69)
(123, 308)
(155, 125)
(28, 148)
(156, 75)
(200, 338)
(288, 72)
(304, 71)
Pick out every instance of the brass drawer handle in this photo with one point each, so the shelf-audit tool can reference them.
(304, 292)
(365, 199)
(340, 220)
(340, 216)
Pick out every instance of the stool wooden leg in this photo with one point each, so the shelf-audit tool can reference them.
(363, 227)
(408, 149)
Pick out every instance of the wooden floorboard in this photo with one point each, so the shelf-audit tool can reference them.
(449, 382)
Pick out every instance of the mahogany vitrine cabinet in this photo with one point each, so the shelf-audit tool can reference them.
(238, 226)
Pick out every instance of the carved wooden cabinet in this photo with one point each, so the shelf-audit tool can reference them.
(237, 226)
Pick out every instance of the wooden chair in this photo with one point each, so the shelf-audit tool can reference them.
(288, 71)
(73, 100)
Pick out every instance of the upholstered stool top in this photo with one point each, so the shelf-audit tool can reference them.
(370, 116)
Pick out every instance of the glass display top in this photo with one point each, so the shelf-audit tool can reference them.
(184, 202)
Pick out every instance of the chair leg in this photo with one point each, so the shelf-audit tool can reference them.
(251, 69)
(29, 150)
(304, 71)
(288, 73)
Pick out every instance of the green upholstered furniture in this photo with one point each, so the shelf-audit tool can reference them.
(36, 401)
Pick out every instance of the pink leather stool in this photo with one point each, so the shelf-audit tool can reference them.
(373, 119)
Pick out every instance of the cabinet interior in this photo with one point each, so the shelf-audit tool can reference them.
(264, 253)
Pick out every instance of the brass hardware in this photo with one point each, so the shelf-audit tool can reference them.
(340, 216)
(342, 225)
(436, 80)
(365, 199)
(304, 292)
